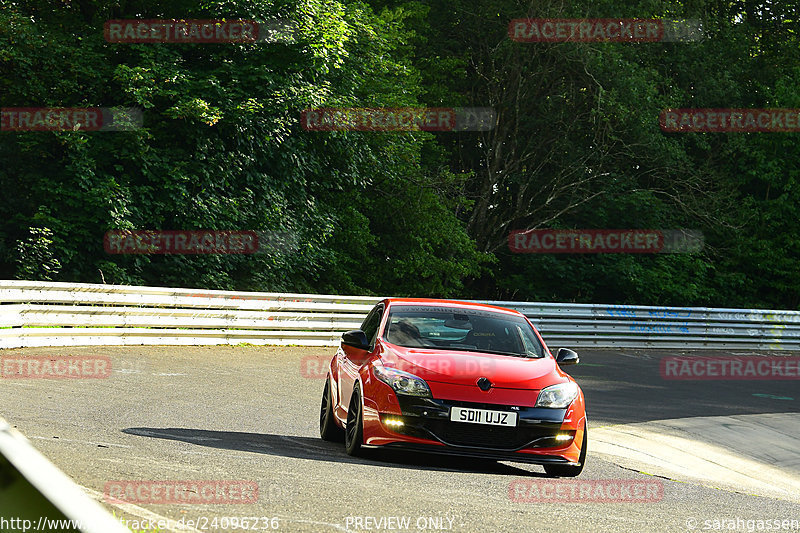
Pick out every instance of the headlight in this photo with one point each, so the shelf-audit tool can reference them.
(401, 382)
(557, 396)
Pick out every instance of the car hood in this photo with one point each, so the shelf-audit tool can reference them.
(465, 368)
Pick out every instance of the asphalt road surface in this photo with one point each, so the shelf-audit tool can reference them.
(250, 414)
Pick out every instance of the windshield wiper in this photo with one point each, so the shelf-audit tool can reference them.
(495, 352)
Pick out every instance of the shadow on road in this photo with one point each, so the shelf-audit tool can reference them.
(318, 450)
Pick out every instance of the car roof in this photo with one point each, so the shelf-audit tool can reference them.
(450, 303)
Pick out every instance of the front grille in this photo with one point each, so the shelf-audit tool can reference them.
(430, 419)
(485, 436)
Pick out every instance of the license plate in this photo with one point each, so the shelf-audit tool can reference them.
(483, 416)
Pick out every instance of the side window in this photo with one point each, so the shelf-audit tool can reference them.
(371, 323)
(532, 347)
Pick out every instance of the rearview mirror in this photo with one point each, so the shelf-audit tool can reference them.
(566, 356)
(356, 339)
(458, 324)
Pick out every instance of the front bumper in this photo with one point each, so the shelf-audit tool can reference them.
(425, 425)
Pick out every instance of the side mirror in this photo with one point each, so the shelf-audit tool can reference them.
(356, 339)
(566, 356)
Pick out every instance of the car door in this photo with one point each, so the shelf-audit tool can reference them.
(351, 359)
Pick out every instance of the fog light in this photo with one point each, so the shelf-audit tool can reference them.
(563, 437)
(393, 422)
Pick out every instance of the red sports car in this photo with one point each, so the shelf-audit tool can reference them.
(460, 378)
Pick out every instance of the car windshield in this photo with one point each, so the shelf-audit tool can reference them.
(467, 329)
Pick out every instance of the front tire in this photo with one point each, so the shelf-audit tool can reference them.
(570, 470)
(354, 429)
(328, 429)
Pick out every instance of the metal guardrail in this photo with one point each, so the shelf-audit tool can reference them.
(37, 496)
(632, 326)
(70, 314)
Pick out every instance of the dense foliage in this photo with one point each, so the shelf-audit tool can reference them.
(577, 145)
